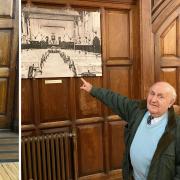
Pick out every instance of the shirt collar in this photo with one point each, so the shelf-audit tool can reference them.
(157, 119)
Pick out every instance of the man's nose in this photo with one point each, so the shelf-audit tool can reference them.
(154, 99)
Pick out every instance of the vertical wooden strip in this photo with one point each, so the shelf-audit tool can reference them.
(75, 154)
(48, 157)
(53, 158)
(35, 86)
(39, 159)
(58, 161)
(43, 147)
(178, 79)
(29, 164)
(178, 36)
(62, 157)
(24, 161)
(34, 164)
(66, 150)
(146, 48)
(105, 23)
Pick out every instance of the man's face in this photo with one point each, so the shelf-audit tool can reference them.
(159, 99)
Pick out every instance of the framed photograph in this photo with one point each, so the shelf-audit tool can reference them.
(60, 43)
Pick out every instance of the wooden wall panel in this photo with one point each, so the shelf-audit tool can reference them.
(27, 110)
(51, 130)
(54, 99)
(169, 75)
(6, 8)
(87, 106)
(169, 45)
(5, 40)
(8, 56)
(90, 149)
(118, 79)
(3, 95)
(118, 38)
(116, 144)
(172, 75)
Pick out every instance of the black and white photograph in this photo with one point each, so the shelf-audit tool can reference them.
(60, 43)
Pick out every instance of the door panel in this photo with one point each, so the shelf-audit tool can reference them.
(116, 144)
(54, 96)
(169, 40)
(27, 104)
(90, 149)
(3, 95)
(119, 79)
(167, 48)
(118, 37)
(8, 57)
(87, 106)
(5, 41)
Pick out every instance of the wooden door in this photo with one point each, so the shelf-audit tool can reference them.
(62, 106)
(166, 27)
(8, 54)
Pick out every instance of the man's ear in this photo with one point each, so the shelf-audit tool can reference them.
(172, 102)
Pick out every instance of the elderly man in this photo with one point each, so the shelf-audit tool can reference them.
(152, 133)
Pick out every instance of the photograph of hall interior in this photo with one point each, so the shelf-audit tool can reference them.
(9, 90)
(71, 129)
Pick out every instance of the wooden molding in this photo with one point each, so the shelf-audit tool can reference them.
(123, 4)
(70, 1)
(146, 47)
(162, 12)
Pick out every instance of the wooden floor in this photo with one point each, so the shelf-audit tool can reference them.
(9, 146)
(9, 171)
(9, 155)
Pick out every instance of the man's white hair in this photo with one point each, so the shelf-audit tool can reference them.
(172, 89)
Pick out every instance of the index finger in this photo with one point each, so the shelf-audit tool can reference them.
(83, 80)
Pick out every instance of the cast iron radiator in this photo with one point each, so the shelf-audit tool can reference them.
(49, 157)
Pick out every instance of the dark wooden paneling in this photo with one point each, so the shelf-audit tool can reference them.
(118, 38)
(3, 95)
(87, 106)
(55, 130)
(116, 144)
(90, 149)
(54, 100)
(8, 56)
(5, 40)
(118, 80)
(116, 83)
(27, 102)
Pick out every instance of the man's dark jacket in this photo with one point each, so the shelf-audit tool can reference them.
(165, 164)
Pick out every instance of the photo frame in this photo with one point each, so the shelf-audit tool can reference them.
(60, 43)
